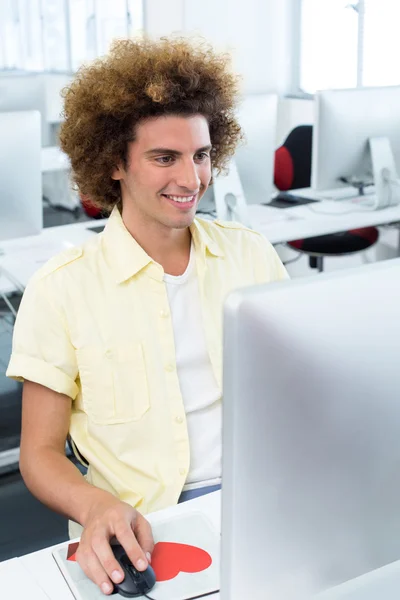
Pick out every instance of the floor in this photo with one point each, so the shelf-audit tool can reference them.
(25, 524)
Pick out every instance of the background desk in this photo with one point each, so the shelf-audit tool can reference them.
(24, 256)
(309, 220)
(41, 569)
(53, 159)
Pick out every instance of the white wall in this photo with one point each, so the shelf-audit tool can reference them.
(293, 112)
(163, 17)
(256, 32)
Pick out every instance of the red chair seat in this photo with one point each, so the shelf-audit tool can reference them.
(345, 242)
(292, 170)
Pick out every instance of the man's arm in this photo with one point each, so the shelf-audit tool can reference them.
(47, 472)
(56, 482)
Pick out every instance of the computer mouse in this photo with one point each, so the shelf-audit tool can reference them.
(135, 583)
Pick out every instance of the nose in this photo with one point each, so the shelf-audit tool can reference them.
(187, 176)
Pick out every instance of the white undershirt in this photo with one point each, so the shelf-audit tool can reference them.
(200, 392)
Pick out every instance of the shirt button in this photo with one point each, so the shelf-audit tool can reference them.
(170, 368)
(164, 314)
(182, 471)
(179, 420)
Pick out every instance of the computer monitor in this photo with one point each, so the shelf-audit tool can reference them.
(21, 210)
(257, 116)
(253, 163)
(311, 443)
(345, 121)
(22, 93)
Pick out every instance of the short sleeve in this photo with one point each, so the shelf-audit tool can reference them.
(42, 351)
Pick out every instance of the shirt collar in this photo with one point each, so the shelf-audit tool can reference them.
(126, 257)
(202, 240)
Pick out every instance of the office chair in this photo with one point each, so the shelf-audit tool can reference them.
(292, 170)
(92, 211)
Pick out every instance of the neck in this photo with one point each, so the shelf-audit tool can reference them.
(168, 247)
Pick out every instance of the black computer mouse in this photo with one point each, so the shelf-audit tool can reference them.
(135, 583)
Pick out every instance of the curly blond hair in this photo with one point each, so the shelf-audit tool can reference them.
(138, 80)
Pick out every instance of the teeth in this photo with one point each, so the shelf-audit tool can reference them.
(180, 199)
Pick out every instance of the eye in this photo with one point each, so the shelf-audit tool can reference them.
(202, 156)
(165, 160)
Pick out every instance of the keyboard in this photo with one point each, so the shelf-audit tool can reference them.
(96, 229)
(288, 200)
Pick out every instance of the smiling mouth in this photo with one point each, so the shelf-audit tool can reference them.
(181, 199)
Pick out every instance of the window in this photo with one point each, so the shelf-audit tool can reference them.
(54, 33)
(59, 35)
(381, 43)
(348, 44)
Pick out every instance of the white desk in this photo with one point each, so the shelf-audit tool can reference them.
(382, 584)
(42, 567)
(16, 583)
(39, 578)
(24, 256)
(53, 159)
(308, 220)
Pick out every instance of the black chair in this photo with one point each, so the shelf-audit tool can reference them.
(292, 170)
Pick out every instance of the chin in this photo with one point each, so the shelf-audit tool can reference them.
(182, 221)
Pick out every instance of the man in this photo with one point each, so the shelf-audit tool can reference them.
(119, 342)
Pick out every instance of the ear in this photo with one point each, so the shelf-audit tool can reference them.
(117, 173)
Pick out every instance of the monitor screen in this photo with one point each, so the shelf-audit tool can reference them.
(20, 175)
(311, 444)
(344, 122)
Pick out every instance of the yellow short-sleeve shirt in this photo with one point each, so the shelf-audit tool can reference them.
(94, 324)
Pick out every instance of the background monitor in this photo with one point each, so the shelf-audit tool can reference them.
(344, 122)
(23, 93)
(311, 444)
(254, 159)
(21, 210)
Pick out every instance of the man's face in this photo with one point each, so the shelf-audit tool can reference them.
(168, 170)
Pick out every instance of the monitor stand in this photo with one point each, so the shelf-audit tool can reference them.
(230, 201)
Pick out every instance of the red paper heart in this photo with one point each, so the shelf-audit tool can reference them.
(169, 559)
(71, 553)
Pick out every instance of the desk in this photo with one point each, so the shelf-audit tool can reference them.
(40, 567)
(24, 256)
(309, 220)
(53, 159)
(16, 583)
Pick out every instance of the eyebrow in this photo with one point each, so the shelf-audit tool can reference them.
(174, 152)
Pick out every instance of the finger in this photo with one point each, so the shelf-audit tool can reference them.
(144, 535)
(92, 568)
(128, 541)
(107, 559)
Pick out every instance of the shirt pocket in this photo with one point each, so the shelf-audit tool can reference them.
(114, 383)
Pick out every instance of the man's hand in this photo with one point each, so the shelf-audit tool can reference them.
(107, 519)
